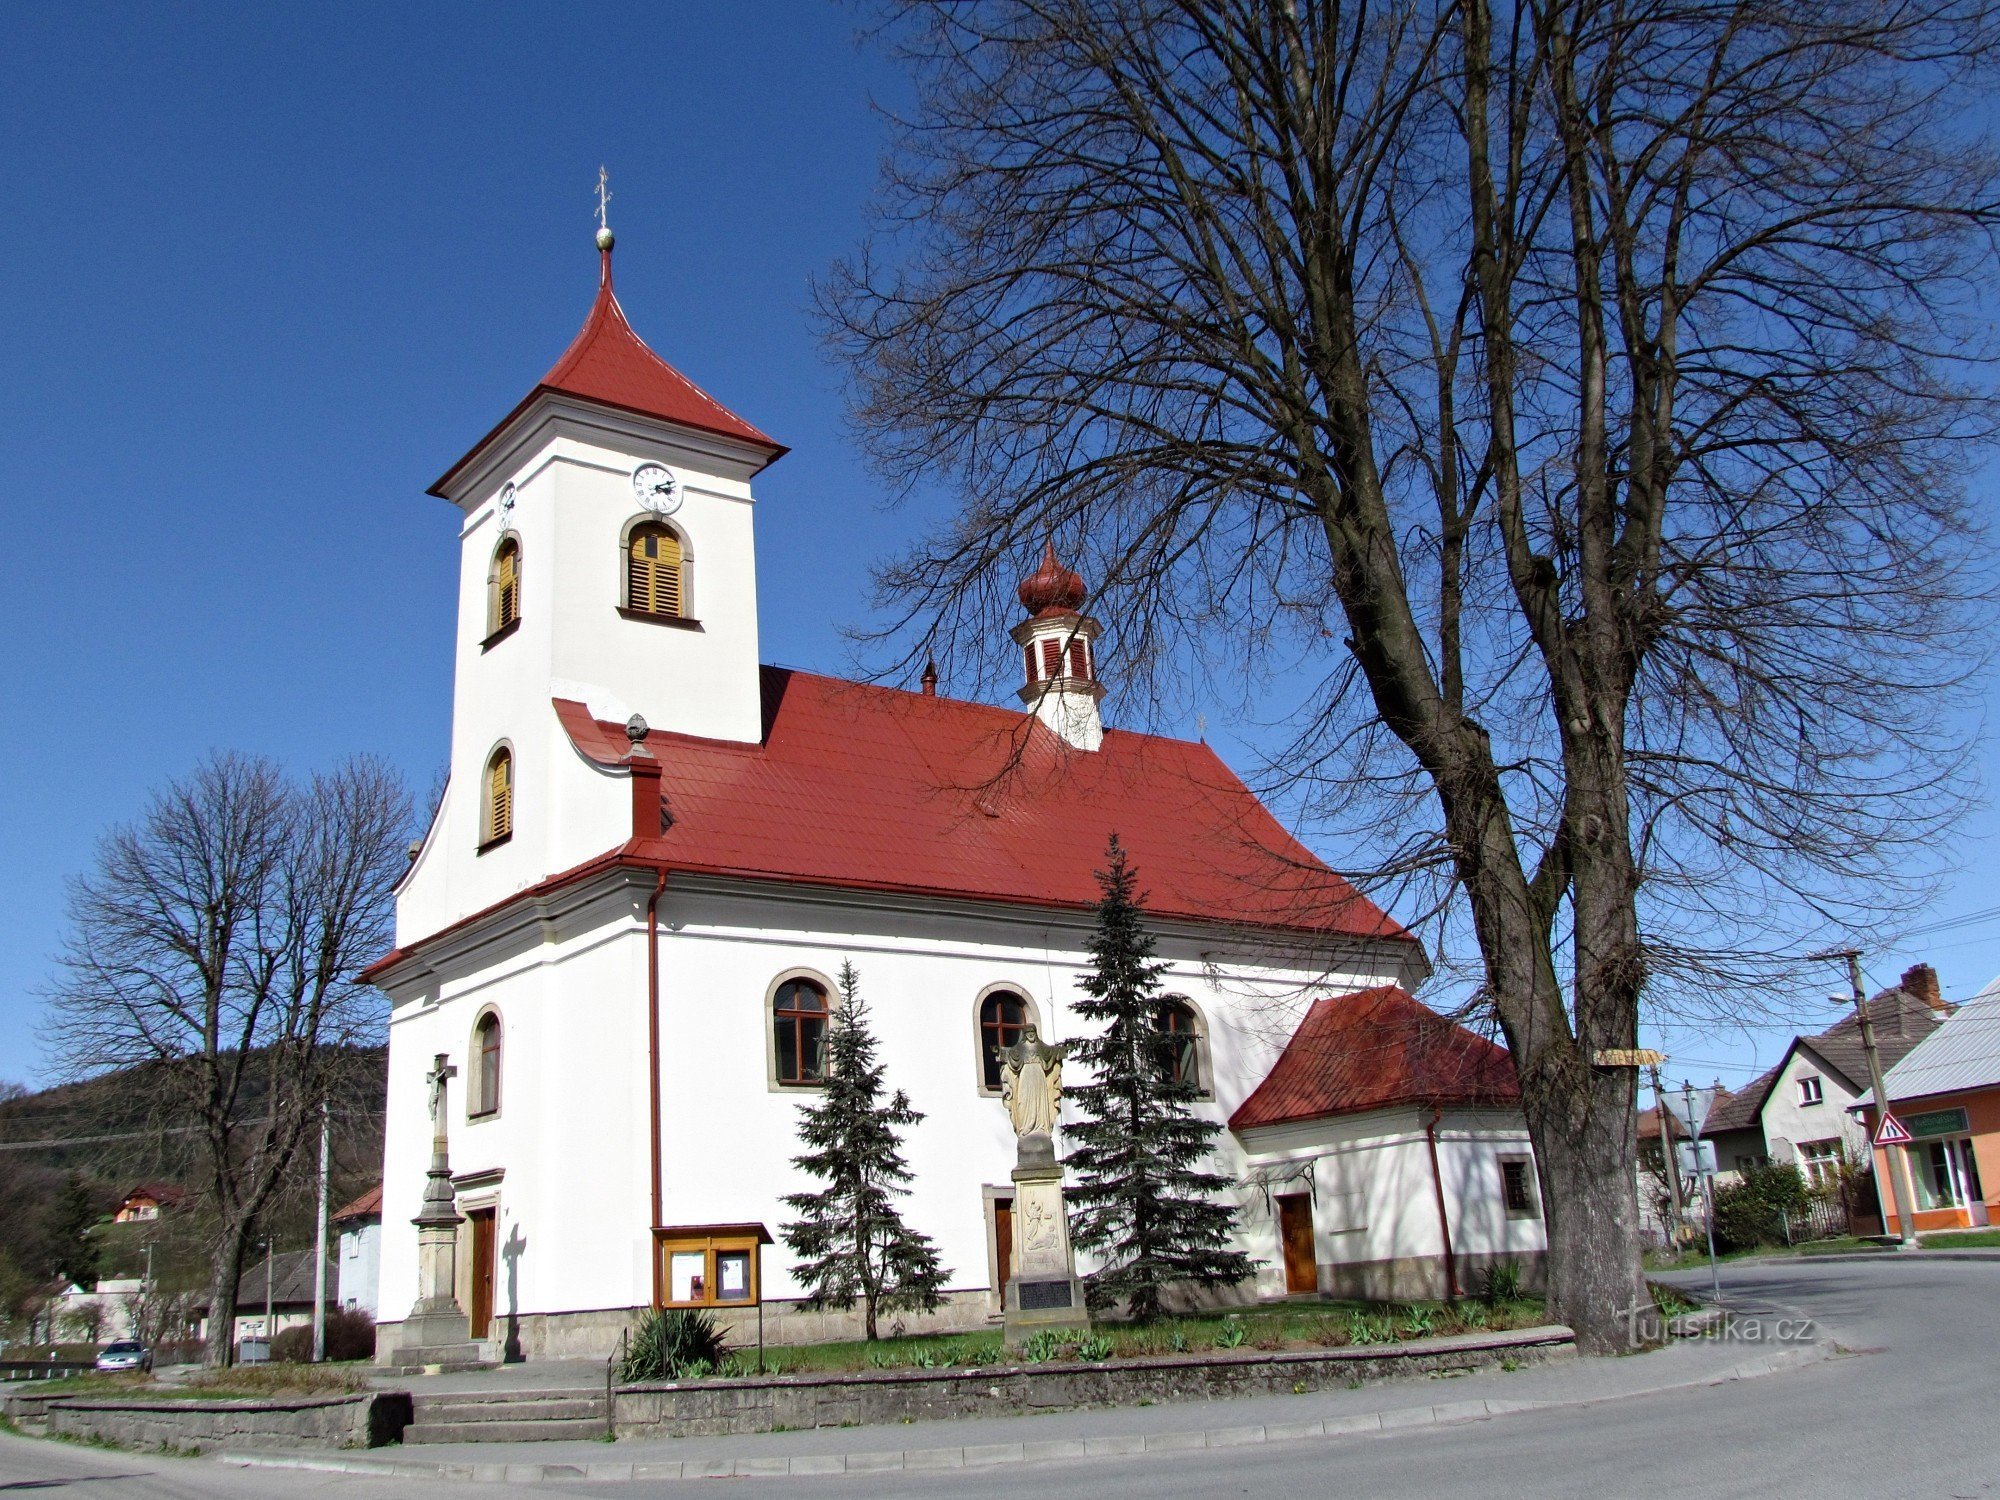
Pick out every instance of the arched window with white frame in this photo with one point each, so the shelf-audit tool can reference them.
(483, 1087)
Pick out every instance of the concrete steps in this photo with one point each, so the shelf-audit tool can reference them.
(506, 1417)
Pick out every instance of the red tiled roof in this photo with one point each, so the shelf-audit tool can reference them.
(367, 1205)
(610, 364)
(1377, 1049)
(878, 789)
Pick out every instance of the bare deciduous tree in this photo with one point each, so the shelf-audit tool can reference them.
(1581, 392)
(217, 941)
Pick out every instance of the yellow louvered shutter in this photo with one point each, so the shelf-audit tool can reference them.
(507, 587)
(653, 575)
(499, 797)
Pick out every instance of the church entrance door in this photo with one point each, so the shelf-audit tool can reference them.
(482, 1271)
(1295, 1223)
(1003, 1241)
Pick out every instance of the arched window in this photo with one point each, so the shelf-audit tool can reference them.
(1180, 1036)
(799, 1014)
(484, 1093)
(503, 585)
(498, 822)
(653, 571)
(1003, 1015)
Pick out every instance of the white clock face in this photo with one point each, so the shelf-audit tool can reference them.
(656, 489)
(508, 495)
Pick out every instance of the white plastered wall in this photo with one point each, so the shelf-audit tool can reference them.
(572, 1134)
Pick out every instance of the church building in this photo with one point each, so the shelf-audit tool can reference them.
(655, 853)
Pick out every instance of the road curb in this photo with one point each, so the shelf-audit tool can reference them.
(987, 1455)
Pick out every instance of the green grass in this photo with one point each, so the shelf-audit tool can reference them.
(1310, 1325)
(211, 1385)
(1689, 1260)
(1960, 1239)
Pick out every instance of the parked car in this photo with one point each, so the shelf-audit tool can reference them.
(125, 1354)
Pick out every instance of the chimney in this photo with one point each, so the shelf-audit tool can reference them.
(1921, 980)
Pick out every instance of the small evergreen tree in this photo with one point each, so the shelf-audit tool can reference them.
(73, 1249)
(1141, 1200)
(854, 1243)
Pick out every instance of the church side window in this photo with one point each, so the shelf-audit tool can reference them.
(799, 1014)
(498, 822)
(1180, 1035)
(503, 604)
(654, 572)
(1003, 1015)
(485, 1091)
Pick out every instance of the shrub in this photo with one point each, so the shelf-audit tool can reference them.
(1503, 1283)
(1753, 1212)
(678, 1343)
(350, 1334)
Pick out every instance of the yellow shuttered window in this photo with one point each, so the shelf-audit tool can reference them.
(653, 572)
(499, 797)
(506, 585)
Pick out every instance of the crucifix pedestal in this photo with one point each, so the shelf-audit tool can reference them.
(437, 1331)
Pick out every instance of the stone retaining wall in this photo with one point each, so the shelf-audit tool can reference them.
(714, 1407)
(360, 1421)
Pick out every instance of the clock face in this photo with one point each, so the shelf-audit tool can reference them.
(508, 495)
(656, 489)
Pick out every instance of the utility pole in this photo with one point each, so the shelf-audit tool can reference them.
(270, 1258)
(1667, 1153)
(319, 1243)
(1901, 1194)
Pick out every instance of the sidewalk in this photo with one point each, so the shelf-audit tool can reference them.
(1375, 1408)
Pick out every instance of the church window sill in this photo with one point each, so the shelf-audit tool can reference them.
(678, 622)
(501, 634)
(494, 843)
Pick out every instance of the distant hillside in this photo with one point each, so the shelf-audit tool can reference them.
(33, 1181)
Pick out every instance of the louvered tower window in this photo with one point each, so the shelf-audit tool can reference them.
(653, 571)
(506, 606)
(499, 819)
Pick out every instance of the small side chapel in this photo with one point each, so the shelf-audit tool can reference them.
(619, 936)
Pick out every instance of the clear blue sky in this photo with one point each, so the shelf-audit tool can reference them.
(269, 270)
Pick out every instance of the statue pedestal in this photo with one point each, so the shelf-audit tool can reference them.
(437, 1331)
(1044, 1290)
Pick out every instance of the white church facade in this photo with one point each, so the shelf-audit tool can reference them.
(654, 854)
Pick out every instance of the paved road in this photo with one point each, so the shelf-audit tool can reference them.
(1908, 1413)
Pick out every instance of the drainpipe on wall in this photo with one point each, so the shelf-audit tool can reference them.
(1444, 1219)
(647, 823)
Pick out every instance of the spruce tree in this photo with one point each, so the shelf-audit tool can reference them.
(1141, 1201)
(853, 1241)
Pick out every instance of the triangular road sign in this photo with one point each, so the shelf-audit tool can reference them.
(1891, 1133)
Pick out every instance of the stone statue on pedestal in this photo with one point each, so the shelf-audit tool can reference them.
(437, 1331)
(1043, 1290)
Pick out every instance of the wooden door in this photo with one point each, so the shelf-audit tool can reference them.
(482, 1271)
(1003, 1241)
(1295, 1225)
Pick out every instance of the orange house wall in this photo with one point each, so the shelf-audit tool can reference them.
(1982, 1112)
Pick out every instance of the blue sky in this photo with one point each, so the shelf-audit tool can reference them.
(268, 271)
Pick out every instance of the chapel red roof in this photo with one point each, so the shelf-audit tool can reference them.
(879, 789)
(609, 364)
(1377, 1049)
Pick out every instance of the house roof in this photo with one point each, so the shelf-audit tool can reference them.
(291, 1282)
(609, 364)
(873, 788)
(1962, 1053)
(1377, 1049)
(1901, 1019)
(367, 1206)
(163, 1193)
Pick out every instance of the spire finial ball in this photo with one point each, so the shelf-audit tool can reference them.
(606, 239)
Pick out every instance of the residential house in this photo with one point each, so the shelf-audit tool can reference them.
(1800, 1110)
(358, 1257)
(1946, 1093)
(147, 1202)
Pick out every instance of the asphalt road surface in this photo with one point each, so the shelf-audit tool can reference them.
(1909, 1412)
